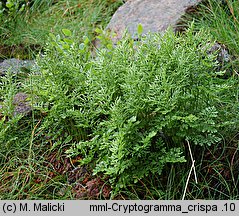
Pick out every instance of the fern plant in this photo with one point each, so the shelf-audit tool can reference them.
(135, 107)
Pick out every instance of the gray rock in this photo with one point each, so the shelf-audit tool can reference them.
(223, 55)
(21, 104)
(15, 65)
(154, 15)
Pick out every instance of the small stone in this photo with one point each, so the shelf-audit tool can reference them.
(15, 65)
(21, 104)
(223, 55)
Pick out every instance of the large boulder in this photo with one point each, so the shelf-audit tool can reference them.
(154, 15)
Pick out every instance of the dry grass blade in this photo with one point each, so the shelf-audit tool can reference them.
(191, 169)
